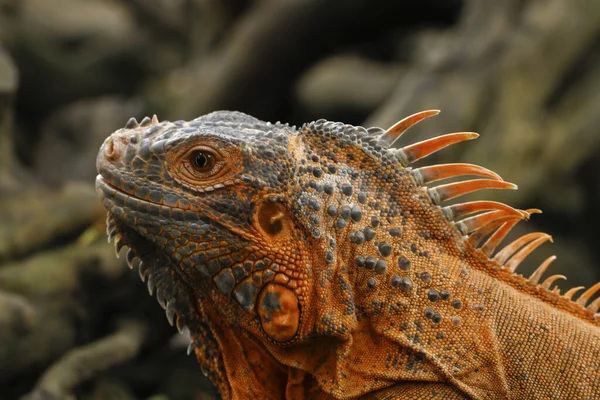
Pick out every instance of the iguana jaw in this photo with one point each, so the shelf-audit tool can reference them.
(172, 288)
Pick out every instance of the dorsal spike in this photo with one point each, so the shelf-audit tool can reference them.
(571, 292)
(518, 257)
(457, 211)
(476, 237)
(422, 149)
(438, 172)
(533, 211)
(396, 130)
(594, 305)
(131, 123)
(537, 274)
(471, 224)
(583, 299)
(449, 191)
(155, 120)
(508, 250)
(146, 121)
(496, 238)
(551, 279)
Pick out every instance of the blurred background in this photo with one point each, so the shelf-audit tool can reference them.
(75, 322)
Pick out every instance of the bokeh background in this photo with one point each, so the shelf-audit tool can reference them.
(75, 322)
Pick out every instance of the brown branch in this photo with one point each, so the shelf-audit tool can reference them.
(85, 362)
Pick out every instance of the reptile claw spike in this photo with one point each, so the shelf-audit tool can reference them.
(476, 237)
(143, 271)
(456, 211)
(439, 194)
(119, 243)
(432, 173)
(422, 149)
(517, 258)
(190, 348)
(150, 284)
(510, 249)
(394, 132)
(571, 292)
(112, 234)
(585, 297)
(131, 123)
(170, 312)
(551, 279)
(537, 274)
(471, 224)
(129, 257)
(146, 121)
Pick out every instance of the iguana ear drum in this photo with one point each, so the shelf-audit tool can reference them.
(279, 312)
(270, 217)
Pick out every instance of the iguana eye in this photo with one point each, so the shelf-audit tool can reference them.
(202, 161)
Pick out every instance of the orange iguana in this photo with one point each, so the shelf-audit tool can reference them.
(315, 263)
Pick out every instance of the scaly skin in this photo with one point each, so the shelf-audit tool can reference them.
(313, 263)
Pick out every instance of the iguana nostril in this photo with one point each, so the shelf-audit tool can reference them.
(115, 147)
(109, 149)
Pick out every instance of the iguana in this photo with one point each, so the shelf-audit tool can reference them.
(314, 262)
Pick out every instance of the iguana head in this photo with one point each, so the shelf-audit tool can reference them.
(212, 196)
(220, 213)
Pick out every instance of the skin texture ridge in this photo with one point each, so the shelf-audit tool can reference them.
(317, 263)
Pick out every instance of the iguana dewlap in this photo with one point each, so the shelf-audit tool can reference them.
(316, 263)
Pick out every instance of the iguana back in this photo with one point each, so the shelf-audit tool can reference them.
(316, 263)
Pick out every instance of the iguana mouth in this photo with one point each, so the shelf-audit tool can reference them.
(115, 199)
(154, 266)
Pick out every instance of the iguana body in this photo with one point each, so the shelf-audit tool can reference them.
(315, 263)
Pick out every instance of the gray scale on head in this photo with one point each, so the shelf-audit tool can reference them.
(395, 232)
(369, 233)
(425, 277)
(314, 219)
(406, 284)
(370, 262)
(345, 211)
(359, 261)
(362, 198)
(433, 295)
(245, 293)
(239, 272)
(385, 249)
(380, 267)
(224, 281)
(356, 214)
(329, 256)
(429, 312)
(332, 211)
(346, 189)
(357, 237)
